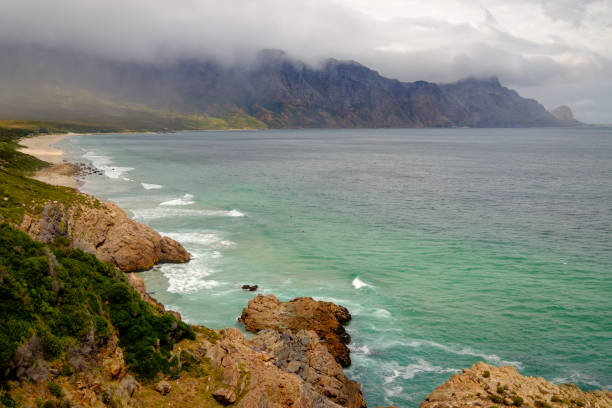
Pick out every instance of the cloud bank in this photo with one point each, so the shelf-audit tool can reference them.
(558, 51)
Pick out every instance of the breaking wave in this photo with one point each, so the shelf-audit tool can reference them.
(104, 163)
(187, 199)
(148, 186)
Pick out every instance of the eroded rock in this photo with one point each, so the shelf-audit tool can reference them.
(324, 318)
(104, 229)
(486, 385)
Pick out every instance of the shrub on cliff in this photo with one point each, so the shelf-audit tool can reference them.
(55, 296)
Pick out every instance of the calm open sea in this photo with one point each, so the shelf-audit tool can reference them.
(448, 246)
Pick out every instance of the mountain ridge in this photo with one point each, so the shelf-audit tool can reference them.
(273, 90)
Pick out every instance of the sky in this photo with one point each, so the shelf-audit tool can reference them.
(556, 51)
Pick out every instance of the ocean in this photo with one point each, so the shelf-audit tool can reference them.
(448, 246)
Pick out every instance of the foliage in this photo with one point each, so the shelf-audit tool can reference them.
(496, 398)
(486, 374)
(55, 389)
(517, 401)
(89, 296)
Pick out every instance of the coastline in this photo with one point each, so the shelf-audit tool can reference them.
(60, 172)
(44, 146)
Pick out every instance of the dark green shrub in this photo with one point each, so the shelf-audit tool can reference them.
(496, 398)
(55, 389)
(8, 401)
(486, 374)
(517, 401)
(556, 398)
(542, 404)
(93, 296)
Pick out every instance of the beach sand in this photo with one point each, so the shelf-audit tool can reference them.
(60, 173)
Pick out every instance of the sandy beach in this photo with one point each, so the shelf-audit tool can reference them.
(60, 173)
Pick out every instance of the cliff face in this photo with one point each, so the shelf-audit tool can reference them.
(486, 385)
(105, 231)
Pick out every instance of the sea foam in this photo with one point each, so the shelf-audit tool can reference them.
(358, 284)
(148, 186)
(208, 239)
(168, 212)
(104, 163)
(187, 199)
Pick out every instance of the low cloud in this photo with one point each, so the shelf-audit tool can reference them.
(547, 48)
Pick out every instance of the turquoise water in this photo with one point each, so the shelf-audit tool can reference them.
(448, 246)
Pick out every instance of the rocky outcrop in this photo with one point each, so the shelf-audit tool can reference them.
(485, 385)
(302, 354)
(326, 319)
(103, 229)
(276, 370)
(565, 115)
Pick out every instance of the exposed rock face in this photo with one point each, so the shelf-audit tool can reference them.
(565, 115)
(107, 232)
(280, 370)
(486, 385)
(301, 354)
(324, 318)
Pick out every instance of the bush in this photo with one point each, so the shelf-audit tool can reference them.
(486, 374)
(496, 398)
(55, 389)
(542, 404)
(8, 401)
(517, 401)
(93, 296)
(555, 398)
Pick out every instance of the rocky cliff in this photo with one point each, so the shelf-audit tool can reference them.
(104, 229)
(485, 386)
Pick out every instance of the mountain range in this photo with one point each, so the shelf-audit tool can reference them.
(272, 91)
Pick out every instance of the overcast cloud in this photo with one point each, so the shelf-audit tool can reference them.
(557, 51)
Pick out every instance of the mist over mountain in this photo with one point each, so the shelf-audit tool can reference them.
(271, 88)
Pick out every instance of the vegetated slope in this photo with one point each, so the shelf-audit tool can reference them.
(274, 91)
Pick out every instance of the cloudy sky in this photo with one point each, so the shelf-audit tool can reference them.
(557, 51)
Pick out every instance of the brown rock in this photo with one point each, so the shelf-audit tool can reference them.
(104, 229)
(163, 387)
(302, 354)
(318, 380)
(325, 318)
(225, 396)
(473, 387)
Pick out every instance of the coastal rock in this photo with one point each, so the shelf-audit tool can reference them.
(324, 318)
(103, 229)
(277, 370)
(486, 385)
(302, 354)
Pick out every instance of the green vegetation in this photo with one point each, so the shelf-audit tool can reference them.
(77, 297)
(517, 401)
(55, 389)
(542, 404)
(496, 398)
(486, 374)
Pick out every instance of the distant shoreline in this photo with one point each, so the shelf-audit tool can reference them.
(61, 172)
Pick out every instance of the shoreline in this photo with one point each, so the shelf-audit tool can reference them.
(60, 172)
